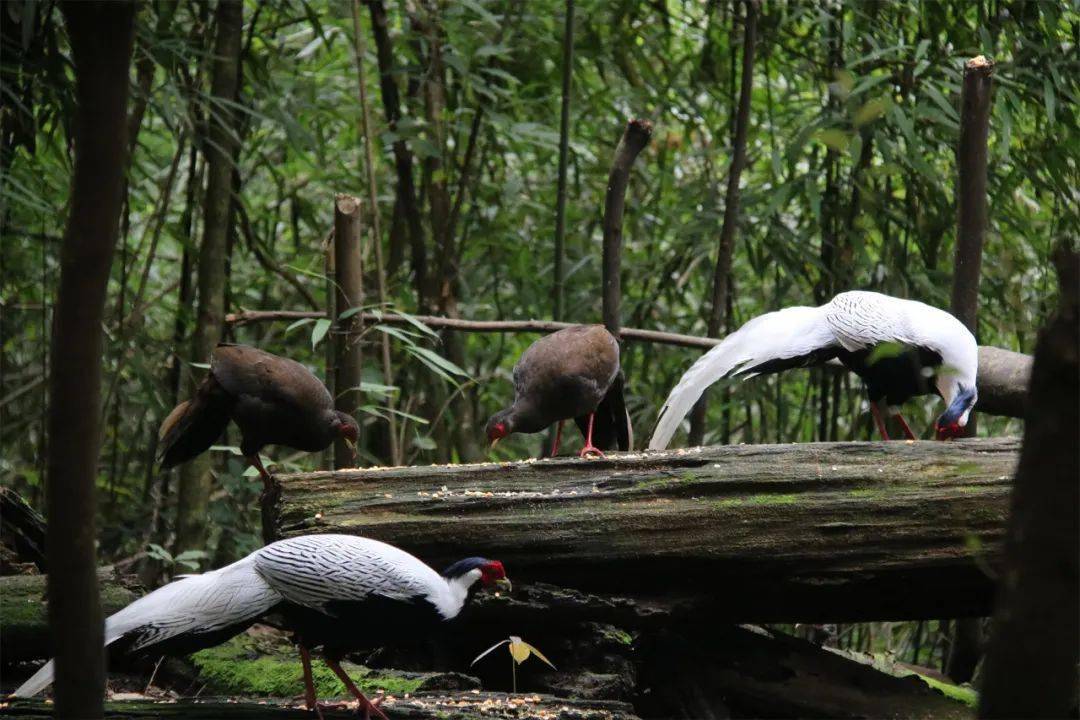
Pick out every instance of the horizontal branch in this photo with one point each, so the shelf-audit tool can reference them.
(538, 326)
(1003, 374)
(810, 532)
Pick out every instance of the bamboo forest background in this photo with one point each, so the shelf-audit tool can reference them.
(849, 183)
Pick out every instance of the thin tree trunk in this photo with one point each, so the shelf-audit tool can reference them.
(558, 291)
(966, 648)
(634, 139)
(376, 234)
(349, 281)
(1030, 668)
(403, 159)
(195, 479)
(725, 252)
(101, 36)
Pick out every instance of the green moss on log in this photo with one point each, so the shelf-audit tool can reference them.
(960, 693)
(248, 666)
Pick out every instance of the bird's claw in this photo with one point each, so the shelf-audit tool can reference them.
(590, 450)
(372, 705)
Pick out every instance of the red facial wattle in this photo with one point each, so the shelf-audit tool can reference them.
(492, 572)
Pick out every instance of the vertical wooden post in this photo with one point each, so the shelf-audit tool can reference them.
(332, 339)
(971, 194)
(349, 293)
(966, 647)
(634, 139)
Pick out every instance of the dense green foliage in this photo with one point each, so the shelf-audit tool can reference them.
(853, 130)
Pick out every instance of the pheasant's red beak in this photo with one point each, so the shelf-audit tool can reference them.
(949, 431)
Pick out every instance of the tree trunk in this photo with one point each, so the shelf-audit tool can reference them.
(813, 532)
(1030, 668)
(360, 50)
(726, 249)
(403, 159)
(349, 277)
(634, 139)
(558, 291)
(195, 483)
(101, 36)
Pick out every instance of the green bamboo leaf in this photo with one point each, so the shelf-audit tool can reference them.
(322, 326)
(434, 358)
(299, 323)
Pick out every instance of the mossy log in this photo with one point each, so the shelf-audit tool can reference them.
(469, 705)
(764, 533)
(24, 623)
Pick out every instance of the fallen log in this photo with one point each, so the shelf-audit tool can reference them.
(765, 533)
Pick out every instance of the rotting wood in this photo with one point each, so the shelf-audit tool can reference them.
(1003, 374)
(811, 532)
(22, 532)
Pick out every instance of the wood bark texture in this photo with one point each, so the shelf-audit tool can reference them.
(1030, 668)
(349, 293)
(971, 193)
(812, 532)
(101, 37)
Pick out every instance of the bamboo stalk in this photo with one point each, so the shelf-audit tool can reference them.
(376, 235)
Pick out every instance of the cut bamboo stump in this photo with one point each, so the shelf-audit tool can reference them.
(765, 533)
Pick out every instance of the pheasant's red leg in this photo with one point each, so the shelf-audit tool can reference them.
(907, 429)
(878, 420)
(256, 461)
(310, 699)
(366, 706)
(558, 438)
(589, 447)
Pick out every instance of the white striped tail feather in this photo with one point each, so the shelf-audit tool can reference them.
(192, 604)
(790, 333)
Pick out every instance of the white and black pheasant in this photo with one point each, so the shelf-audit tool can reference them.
(338, 592)
(926, 351)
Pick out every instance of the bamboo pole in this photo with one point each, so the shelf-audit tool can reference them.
(376, 235)
(558, 289)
